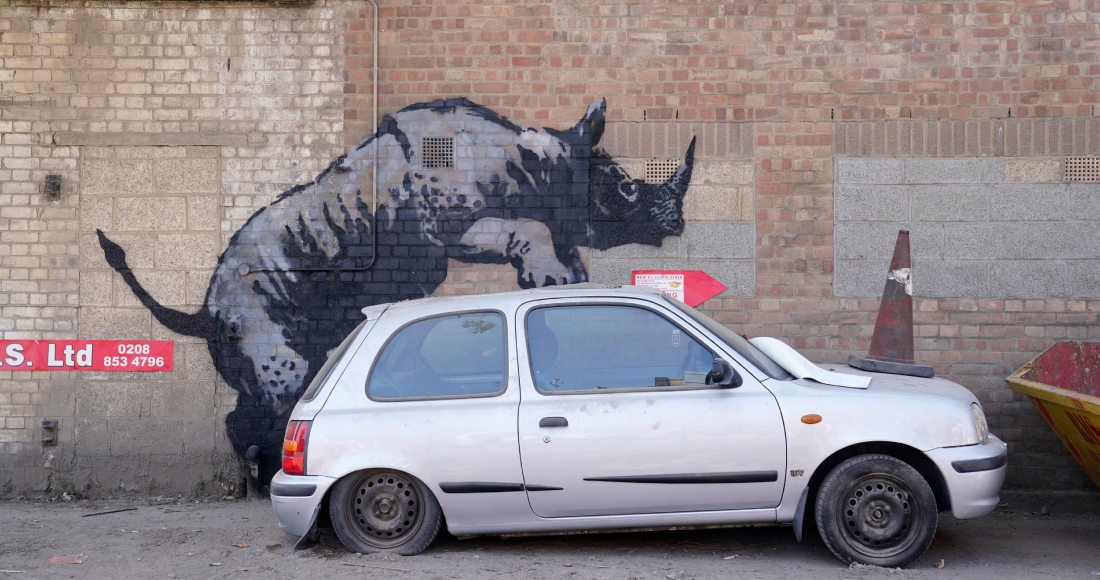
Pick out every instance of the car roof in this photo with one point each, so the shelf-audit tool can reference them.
(516, 297)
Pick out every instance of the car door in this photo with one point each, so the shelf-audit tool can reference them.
(616, 416)
(434, 393)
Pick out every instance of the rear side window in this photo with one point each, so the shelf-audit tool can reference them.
(447, 356)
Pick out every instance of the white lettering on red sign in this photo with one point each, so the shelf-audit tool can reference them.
(87, 355)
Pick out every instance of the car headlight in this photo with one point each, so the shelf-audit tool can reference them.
(980, 425)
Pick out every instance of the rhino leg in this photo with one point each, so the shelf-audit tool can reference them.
(529, 245)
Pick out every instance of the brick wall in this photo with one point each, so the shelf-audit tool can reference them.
(1013, 80)
(786, 99)
(169, 125)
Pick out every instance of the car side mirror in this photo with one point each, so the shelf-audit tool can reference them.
(724, 375)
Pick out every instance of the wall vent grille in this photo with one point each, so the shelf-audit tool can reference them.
(437, 153)
(659, 170)
(1082, 169)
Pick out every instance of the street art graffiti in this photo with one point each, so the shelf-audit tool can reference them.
(456, 181)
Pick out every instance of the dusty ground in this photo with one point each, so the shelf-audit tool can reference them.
(241, 539)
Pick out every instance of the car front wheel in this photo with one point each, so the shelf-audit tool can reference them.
(382, 510)
(876, 509)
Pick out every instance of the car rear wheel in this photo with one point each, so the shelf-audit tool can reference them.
(876, 509)
(382, 510)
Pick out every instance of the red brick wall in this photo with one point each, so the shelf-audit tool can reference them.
(816, 80)
(752, 61)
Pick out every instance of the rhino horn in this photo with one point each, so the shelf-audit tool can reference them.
(679, 181)
(667, 202)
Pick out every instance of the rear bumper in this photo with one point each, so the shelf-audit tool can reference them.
(974, 475)
(295, 498)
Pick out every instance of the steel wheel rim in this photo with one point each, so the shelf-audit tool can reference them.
(878, 517)
(385, 510)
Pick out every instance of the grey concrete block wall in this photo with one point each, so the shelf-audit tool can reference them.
(978, 228)
(870, 170)
(738, 276)
(948, 203)
(725, 250)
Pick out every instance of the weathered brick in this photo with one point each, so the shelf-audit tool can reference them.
(278, 94)
(1048, 170)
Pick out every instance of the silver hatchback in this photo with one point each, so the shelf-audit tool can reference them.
(585, 408)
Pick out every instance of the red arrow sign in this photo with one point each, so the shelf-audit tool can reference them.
(692, 287)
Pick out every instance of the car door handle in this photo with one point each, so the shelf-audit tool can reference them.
(553, 422)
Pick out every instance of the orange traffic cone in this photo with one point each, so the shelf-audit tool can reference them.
(892, 343)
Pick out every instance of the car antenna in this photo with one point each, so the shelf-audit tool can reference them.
(417, 278)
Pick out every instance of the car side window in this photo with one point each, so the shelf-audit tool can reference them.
(596, 347)
(446, 356)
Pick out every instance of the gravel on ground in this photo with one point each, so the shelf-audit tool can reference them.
(1032, 535)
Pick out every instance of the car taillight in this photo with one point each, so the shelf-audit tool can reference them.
(294, 448)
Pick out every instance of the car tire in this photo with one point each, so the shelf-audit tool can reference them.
(382, 510)
(876, 509)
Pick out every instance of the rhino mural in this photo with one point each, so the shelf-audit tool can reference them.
(292, 281)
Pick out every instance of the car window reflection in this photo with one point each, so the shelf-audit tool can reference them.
(598, 347)
(446, 356)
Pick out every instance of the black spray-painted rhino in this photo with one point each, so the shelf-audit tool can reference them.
(291, 283)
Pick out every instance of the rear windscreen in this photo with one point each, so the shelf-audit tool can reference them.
(319, 378)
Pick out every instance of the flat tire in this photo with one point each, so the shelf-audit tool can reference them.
(876, 509)
(382, 510)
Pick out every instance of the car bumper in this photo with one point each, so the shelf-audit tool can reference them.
(974, 474)
(295, 499)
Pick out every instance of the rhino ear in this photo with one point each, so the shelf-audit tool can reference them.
(590, 127)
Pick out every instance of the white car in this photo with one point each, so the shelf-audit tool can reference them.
(586, 408)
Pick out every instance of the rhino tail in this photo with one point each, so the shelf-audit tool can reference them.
(200, 324)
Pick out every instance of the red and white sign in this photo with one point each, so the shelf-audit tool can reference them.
(86, 355)
(692, 287)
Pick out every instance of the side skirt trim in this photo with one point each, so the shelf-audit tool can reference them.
(479, 487)
(694, 478)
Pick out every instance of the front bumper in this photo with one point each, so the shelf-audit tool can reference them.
(974, 474)
(295, 499)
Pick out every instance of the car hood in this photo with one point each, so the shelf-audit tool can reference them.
(841, 375)
(906, 385)
(899, 384)
(922, 413)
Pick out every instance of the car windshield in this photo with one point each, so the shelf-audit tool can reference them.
(736, 342)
